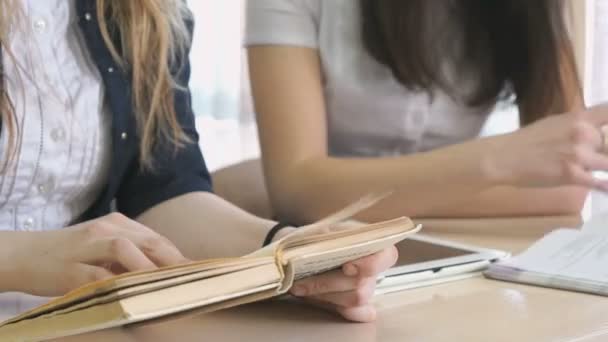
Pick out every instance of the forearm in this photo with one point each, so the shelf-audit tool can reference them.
(9, 243)
(305, 183)
(511, 201)
(313, 187)
(202, 225)
(451, 182)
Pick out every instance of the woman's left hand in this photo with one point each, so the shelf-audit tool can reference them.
(349, 290)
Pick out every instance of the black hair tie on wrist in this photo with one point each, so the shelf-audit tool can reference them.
(273, 232)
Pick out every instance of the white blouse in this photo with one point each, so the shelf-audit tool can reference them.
(369, 112)
(63, 143)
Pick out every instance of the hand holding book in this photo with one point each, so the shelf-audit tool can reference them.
(332, 268)
(347, 290)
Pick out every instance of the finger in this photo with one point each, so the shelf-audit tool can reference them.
(333, 281)
(598, 114)
(116, 250)
(602, 186)
(155, 246)
(160, 250)
(360, 296)
(372, 265)
(83, 274)
(596, 161)
(363, 314)
(578, 175)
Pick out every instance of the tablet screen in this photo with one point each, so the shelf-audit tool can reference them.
(416, 251)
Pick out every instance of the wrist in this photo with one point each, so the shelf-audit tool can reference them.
(283, 233)
(276, 232)
(494, 169)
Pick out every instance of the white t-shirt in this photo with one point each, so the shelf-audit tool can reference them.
(369, 112)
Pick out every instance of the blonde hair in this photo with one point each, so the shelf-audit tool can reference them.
(8, 10)
(153, 34)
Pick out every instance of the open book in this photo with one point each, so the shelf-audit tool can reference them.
(567, 259)
(208, 285)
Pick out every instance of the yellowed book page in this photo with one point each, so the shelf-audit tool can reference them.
(316, 244)
(357, 207)
(42, 329)
(324, 225)
(192, 295)
(375, 229)
(242, 299)
(324, 256)
(111, 315)
(149, 287)
(309, 235)
(128, 279)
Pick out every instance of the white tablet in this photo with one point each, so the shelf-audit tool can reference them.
(425, 261)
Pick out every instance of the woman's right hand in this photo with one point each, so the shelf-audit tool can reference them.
(558, 150)
(55, 262)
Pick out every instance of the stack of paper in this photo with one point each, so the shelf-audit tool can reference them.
(566, 259)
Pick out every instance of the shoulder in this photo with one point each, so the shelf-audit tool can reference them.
(284, 22)
(297, 22)
(316, 10)
(299, 7)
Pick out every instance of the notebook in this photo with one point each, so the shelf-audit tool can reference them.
(568, 259)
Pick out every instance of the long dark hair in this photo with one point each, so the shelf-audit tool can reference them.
(516, 47)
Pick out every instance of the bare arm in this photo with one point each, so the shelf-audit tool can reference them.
(202, 225)
(305, 183)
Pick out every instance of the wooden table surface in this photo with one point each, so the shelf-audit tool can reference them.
(475, 309)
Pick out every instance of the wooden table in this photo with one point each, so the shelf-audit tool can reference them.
(475, 309)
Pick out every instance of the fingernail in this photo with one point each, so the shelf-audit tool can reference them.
(350, 270)
(298, 291)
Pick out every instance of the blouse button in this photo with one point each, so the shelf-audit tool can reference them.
(40, 25)
(110, 70)
(88, 16)
(42, 188)
(47, 186)
(123, 136)
(58, 134)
